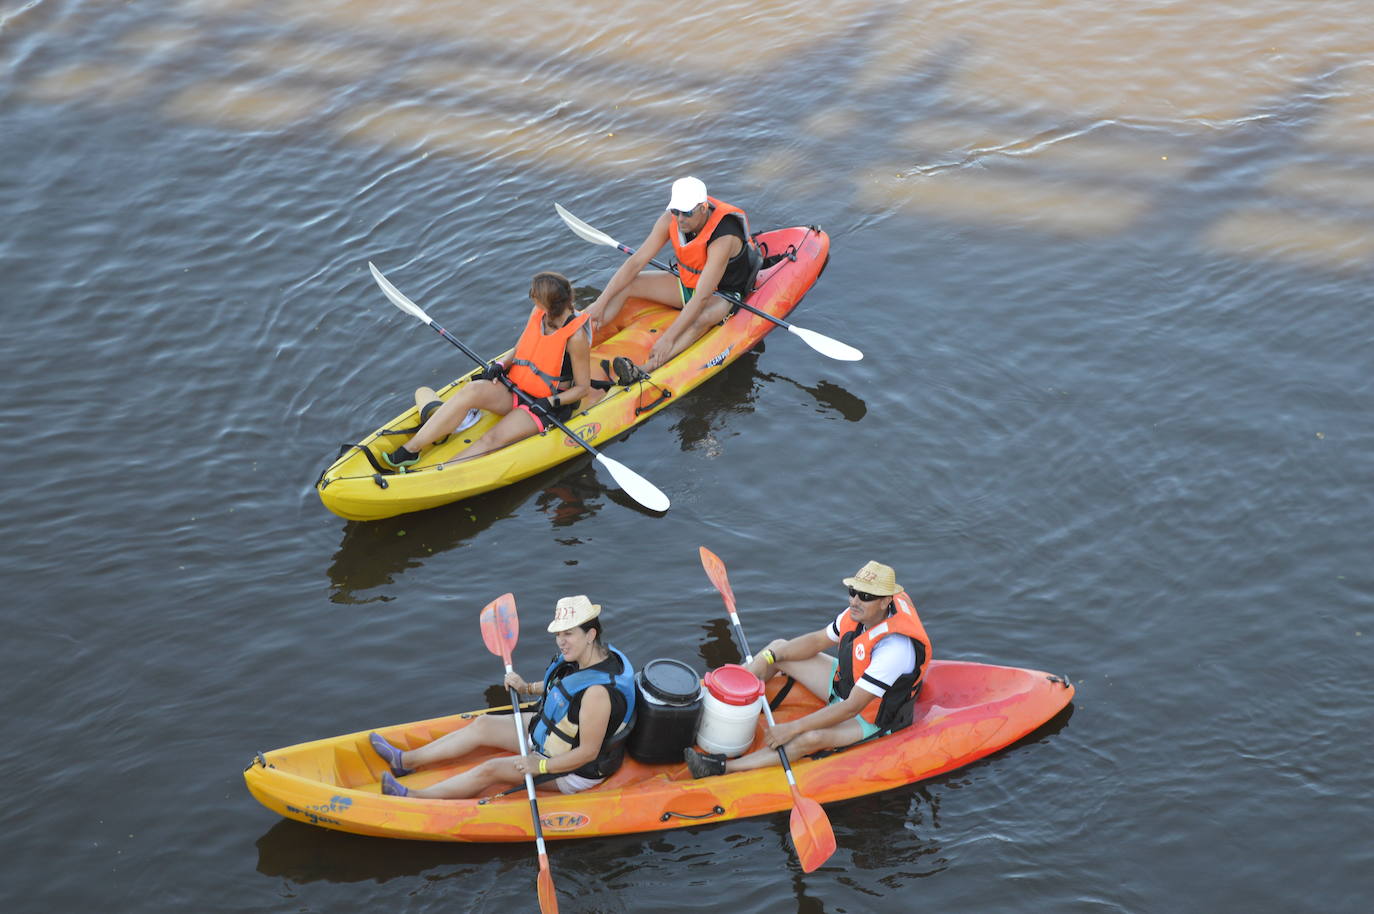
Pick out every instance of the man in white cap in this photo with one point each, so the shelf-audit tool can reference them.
(870, 688)
(576, 731)
(714, 252)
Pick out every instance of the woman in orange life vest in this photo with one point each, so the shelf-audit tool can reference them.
(551, 363)
(870, 688)
(710, 240)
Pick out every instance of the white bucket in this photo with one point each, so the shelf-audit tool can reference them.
(731, 701)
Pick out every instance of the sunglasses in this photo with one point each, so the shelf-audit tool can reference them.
(684, 212)
(865, 597)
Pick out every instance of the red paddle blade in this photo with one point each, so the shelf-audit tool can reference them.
(715, 570)
(548, 898)
(501, 626)
(811, 832)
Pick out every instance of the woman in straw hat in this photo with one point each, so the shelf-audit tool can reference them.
(870, 688)
(576, 731)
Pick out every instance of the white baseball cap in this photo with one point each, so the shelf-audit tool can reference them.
(688, 193)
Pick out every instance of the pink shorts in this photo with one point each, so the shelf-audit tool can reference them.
(516, 403)
(563, 412)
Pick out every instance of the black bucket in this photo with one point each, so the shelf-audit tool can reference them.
(669, 707)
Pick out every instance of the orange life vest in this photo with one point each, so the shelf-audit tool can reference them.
(856, 652)
(691, 255)
(537, 365)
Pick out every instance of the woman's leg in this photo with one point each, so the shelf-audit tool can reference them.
(491, 731)
(473, 781)
(494, 731)
(492, 396)
(514, 425)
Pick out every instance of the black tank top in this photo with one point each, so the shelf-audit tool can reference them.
(737, 269)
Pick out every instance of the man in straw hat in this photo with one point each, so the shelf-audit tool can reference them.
(576, 732)
(870, 688)
(711, 243)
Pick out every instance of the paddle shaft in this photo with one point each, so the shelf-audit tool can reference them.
(524, 753)
(548, 899)
(811, 831)
(500, 631)
(767, 711)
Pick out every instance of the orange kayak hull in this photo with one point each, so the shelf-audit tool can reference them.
(966, 711)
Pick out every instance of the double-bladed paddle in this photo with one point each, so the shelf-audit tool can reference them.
(500, 630)
(811, 831)
(817, 341)
(635, 486)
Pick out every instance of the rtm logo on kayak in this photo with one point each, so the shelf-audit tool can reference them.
(565, 821)
(585, 432)
(720, 359)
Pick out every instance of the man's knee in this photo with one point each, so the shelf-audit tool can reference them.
(810, 741)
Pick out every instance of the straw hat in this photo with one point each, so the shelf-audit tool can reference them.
(875, 578)
(572, 612)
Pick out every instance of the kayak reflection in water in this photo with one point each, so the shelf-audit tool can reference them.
(870, 688)
(576, 732)
(551, 362)
(711, 242)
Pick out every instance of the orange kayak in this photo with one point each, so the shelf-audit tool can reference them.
(966, 711)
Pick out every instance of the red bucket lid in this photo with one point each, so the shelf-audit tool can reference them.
(733, 685)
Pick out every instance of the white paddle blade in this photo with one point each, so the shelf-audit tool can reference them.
(395, 295)
(827, 346)
(635, 486)
(585, 231)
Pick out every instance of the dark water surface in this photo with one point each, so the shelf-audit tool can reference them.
(1111, 267)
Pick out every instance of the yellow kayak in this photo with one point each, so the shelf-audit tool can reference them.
(353, 488)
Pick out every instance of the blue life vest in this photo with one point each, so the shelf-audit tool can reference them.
(554, 726)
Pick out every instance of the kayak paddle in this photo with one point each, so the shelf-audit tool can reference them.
(635, 486)
(811, 831)
(817, 341)
(500, 629)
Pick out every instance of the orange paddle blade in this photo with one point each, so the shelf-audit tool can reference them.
(811, 832)
(501, 626)
(715, 570)
(548, 898)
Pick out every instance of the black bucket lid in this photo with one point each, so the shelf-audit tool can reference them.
(670, 681)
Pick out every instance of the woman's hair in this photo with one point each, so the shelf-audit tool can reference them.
(553, 291)
(594, 625)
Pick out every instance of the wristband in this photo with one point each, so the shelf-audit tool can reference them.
(769, 657)
(555, 402)
(543, 766)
